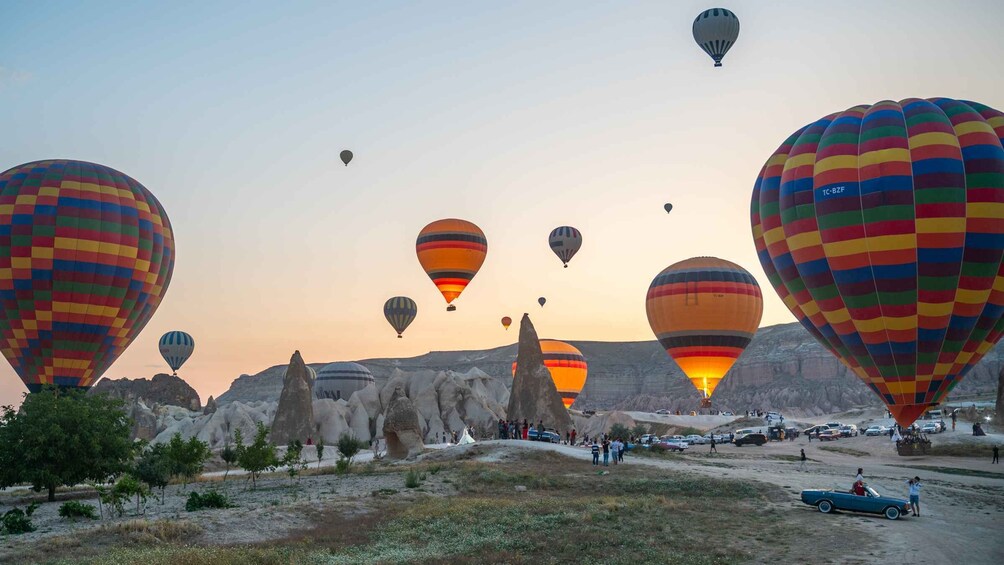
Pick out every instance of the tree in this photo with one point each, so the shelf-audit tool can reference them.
(639, 430)
(154, 468)
(187, 458)
(320, 451)
(293, 460)
(63, 437)
(229, 456)
(257, 457)
(619, 431)
(348, 447)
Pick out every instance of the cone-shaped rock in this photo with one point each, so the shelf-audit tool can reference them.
(999, 417)
(534, 396)
(294, 418)
(401, 428)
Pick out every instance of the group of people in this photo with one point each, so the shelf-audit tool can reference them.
(913, 488)
(514, 429)
(610, 449)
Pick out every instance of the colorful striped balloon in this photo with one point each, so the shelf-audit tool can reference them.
(86, 255)
(704, 311)
(565, 242)
(882, 229)
(400, 312)
(176, 347)
(451, 252)
(567, 366)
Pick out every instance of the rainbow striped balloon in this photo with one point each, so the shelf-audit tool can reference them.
(704, 311)
(882, 230)
(86, 255)
(451, 252)
(567, 366)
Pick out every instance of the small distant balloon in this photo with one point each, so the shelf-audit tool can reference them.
(346, 156)
(506, 322)
(400, 312)
(176, 347)
(716, 30)
(668, 207)
(541, 301)
(565, 242)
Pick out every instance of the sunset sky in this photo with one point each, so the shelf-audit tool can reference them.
(517, 116)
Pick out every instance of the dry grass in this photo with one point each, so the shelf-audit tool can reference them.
(845, 450)
(152, 531)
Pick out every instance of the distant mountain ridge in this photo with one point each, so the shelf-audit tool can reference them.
(783, 368)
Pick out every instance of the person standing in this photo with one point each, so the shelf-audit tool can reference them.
(606, 452)
(954, 417)
(860, 477)
(914, 484)
(568, 436)
(620, 450)
(573, 436)
(613, 449)
(996, 452)
(713, 448)
(801, 462)
(596, 454)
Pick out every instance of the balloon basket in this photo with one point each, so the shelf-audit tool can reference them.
(451, 308)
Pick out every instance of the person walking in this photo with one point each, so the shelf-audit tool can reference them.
(801, 461)
(996, 452)
(596, 454)
(713, 448)
(573, 436)
(914, 484)
(606, 452)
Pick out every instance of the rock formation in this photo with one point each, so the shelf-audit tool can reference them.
(162, 389)
(999, 415)
(534, 396)
(294, 416)
(401, 428)
(210, 406)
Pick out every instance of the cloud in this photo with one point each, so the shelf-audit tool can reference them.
(13, 77)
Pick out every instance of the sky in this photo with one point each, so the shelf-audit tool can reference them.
(518, 116)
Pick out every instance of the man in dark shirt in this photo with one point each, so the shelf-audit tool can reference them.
(596, 453)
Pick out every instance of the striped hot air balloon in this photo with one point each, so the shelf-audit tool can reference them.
(704, 311)
(567, 366)
(882, 230)
(565, 242)
(451, 252)
(176, 347)
(400, 312)
(86, 255)
(716, 31)
(341, 379)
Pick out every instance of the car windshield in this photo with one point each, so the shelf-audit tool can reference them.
(872, 492)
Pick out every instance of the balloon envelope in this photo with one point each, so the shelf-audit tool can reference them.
(882, 230)
(704, 311)
(668, 207)
(400, 312)
(345, 156)
(565, 242)
(541, 301)
(567, 366)
(716, 30)
(176, 347)
(87, 255)
(506, 322)
(341, 379)
(451, 251)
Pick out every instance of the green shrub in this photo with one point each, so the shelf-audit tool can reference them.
(76, 509)
(17, 521)
(209, 499)
(412, 480)
(349, 446)
(342, 466)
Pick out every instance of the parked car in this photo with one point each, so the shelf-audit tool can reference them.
(548, 435)
(742, 432)
(875, 431)
(719, 438)
(589, 412)
(726, 414)
(814, 430)
(835, 425)
(648, 439)
(663, 411)
(772, 416)
(930, 428)
(872, 502)
(672, 444)
(827, 435)
(751, 439)
(850, 430)
(696, 439)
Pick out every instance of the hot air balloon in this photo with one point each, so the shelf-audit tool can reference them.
(341, 379)
(506, 322)
(716, 31)
(176, 347)
(541, 301)
(400, 312)
(87, 255)
(565, 241)
(882, 229)
(567, 366)
(451, 252)
(346, 156)
(668, 207)
(704, 311)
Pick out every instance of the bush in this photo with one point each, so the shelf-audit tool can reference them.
(210, 499)
(349, 446)
(17, 521)
(258, 457)
(76, 509)
(619, 431)
(342, 466)
(121, 492)
(412, 479)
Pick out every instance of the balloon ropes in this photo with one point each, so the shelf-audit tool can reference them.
(567, 366)
(176, 347)
(87, 255)
(400, 312)
(882, 229)
(704, 311)
(565, 242)
(451, 252)
(716, 31)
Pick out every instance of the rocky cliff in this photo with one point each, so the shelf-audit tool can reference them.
(162, 389)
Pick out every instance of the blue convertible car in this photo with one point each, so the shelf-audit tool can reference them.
(872, 502)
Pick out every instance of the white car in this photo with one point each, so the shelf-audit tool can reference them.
(875, 431)
(648, 439)
(773, 416)
(674, 444)
(727, 414)
(696, 439)
(663, 411)
(931, 428)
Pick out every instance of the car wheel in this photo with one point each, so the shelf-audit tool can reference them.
(892, 513)
(825, 506)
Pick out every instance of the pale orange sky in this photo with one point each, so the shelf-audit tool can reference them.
(519, 117)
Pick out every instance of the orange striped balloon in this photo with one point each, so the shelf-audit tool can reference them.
(704, 311)
(567, 366)
(451, 251)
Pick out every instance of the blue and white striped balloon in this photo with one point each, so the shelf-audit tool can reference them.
(176, 347)
(565, 242)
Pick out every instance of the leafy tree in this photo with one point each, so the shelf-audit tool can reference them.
(126, 487)
(229, 456)
(62, 438)
(188, 458)
(257, 457)
(349, 446)
(293, 460)
(320, 451)
(154, 468)
(619, 431)
(639, 430)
